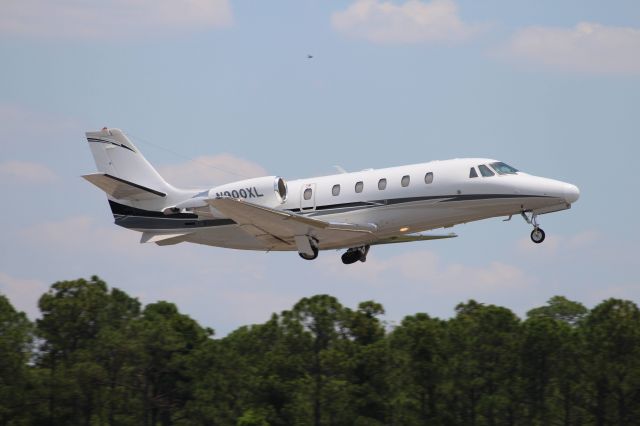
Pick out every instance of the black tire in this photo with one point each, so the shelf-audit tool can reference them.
(537, 235)
(307, 257)
(350, 257)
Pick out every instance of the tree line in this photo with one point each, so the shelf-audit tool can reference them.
(97, 357)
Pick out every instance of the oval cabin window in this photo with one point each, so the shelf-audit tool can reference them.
(428, 178)
(307, 194)
(359, 186)
(405, 180)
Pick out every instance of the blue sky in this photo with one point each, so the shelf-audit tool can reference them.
(551, 88)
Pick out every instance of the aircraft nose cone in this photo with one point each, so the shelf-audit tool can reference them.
(571, 193)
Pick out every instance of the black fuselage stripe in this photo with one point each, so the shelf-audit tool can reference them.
(109, 143)
(131, 217)
(393, 201)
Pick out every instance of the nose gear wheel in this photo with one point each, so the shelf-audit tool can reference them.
(537, 235)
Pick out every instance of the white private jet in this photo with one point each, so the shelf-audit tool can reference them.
(350, 211)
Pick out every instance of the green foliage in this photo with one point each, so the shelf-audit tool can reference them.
(100, 359)
(15, 350)
(561, 309)
(611, 336)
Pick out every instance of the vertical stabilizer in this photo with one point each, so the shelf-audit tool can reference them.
(130, 178)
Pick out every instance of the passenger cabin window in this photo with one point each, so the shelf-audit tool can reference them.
(382, 184)
(405, 180)
(473, 173)
(335, 190)
(307, 194)
(485, 171)
(503, 169)
(359, 186)
(428, 178)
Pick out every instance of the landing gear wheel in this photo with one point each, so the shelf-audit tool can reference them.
(355, 254)
(537, 235)
(308, 257)
(364, 250)
(351, 256)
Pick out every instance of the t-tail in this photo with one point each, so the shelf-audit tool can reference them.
(127, 178)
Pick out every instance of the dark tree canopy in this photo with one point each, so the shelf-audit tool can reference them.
(561, 309)
(97, 357)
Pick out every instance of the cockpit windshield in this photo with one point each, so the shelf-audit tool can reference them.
(503, 169)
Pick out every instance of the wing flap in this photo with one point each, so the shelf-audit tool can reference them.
(121, 189)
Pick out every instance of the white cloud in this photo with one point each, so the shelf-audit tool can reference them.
(252, 306)
(588, 47)
(23, 293)
(556, 244)
(41, 126)
(425, 270)
(411, 22)
(208, 171)
(108, 19)
(81, 234)
(25, 172)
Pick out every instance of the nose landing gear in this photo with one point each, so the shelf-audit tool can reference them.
(537, 235)
(354, 254)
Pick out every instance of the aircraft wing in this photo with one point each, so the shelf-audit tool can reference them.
(409, 238)
(277, 227)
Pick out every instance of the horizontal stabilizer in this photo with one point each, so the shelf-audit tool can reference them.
(163, 239)
(121, 189)
(412, 237)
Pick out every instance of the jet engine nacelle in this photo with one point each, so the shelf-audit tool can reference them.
(268, 191)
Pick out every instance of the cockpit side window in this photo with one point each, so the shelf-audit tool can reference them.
(503, 169)
(473, 173)
(485, 171)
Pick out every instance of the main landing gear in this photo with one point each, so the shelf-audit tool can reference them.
(354, 254)
(313, 243)
(306, 256)
(537, 235)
